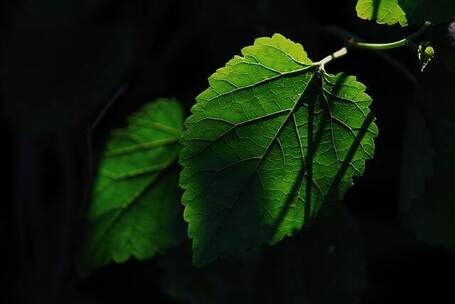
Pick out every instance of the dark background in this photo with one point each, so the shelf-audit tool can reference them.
(62, 62)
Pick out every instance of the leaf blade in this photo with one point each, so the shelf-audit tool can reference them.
(405, 12)
(244, 151)
(135, 204)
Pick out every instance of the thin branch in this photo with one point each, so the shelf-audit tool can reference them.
(340, 53)
(345, 35)
(89, 132)
(372, 46)
(120, 91)
(390, 45)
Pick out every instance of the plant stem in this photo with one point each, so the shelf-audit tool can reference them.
(373, 46)
(391, 45)
(340, 53)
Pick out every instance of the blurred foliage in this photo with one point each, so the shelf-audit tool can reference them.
(427, 204)
(135, 208)
(406, 12)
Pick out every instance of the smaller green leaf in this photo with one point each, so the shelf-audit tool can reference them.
(425, 54)
(135, 205)
(406, 12)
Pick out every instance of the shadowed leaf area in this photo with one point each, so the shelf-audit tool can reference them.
(323, 265)
(406, 12)
(268, 143)
(135, 205)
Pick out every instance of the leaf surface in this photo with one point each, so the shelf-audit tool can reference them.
(406, 12)
(135, 205)
(269, 142)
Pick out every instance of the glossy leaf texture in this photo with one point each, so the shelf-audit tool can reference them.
(271, 140)
(135, 206)
(406, 12)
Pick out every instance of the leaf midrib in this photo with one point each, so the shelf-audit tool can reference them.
(142, 146)
(260, 160)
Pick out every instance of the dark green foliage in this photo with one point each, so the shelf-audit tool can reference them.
(427, 205)
(406, 12)
(135, 207)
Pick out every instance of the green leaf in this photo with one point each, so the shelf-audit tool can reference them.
(135, 205)
(269, 142)
(406, 12)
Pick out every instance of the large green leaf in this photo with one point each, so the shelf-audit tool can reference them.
(406, 12)
(268, 142)
(135, 205)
